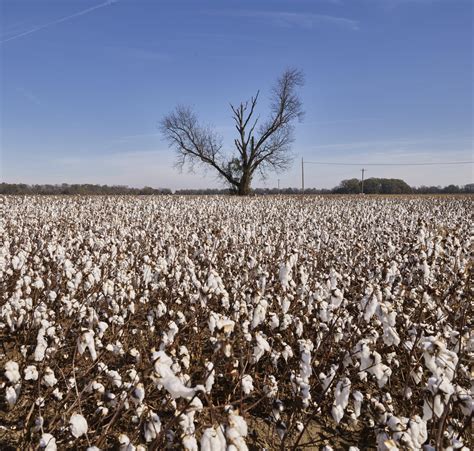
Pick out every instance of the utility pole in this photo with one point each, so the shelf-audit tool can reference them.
(278, 185)
(362, 184)
(302, 175)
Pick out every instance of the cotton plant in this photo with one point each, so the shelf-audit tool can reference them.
(166, 378)
(303, 379)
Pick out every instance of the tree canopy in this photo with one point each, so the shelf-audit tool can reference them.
(260, 145)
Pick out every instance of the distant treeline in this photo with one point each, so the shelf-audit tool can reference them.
(350, 186)
(64, 188)
(395, 186)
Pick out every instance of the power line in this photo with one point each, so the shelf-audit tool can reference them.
(389, 164)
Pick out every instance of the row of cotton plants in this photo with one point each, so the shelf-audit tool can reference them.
(219, 323)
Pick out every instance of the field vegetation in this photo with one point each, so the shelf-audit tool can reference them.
(226, 323)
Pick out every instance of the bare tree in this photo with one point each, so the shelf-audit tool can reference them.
(261, 146)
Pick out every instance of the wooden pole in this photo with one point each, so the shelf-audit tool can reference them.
(302, 176)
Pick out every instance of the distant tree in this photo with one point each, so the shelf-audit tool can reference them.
(451, 189)
(350, 186)
(259, 145)
(469, 188)
(394, 186)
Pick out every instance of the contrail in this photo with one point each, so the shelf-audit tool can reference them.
(62, 19)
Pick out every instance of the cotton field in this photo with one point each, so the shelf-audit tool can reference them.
(221, 323)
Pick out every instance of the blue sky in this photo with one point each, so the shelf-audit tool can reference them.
(84, 84)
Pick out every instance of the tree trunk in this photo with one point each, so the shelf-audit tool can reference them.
(244, 184)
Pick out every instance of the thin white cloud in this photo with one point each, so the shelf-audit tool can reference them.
(57, 21)
(292, 19)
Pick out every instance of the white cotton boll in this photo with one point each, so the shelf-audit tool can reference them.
(114, 377)
(16, 263)
(275, 356)
(285, 305)
(227, 349)
(185, 357)
(327, 380)
(212, 439)
(438, 359)
(341, 399)
(390, 335)
(138, 393)
(306, 346)
(189, 443)
(225, 324)
(169, 336)
(358, 398)
(92, 448)
(97, 386)
(287, 352)
(167, 378)
(12, 372)
(429, 406)
(259, 313)
(57, 394)
(418, 431)
(38, 284)
(298, 327)
(41, 346)
(369, 307)
(438, 406)
(212, 323)
(274, 321)
(394, 423)
(77, 425)
(235, 440)
(271, 388)
(210, 378)
(220, 322)
(86, 341)
(285, 274)
(466, 402)
(48, 442)
(102, 326)
(31, 373)
(337, 413)
(124, 442)
(11, 395)
(186, 422)
(102, 411)
(336, 298)
(49, 378)
(261, 347)
(247, 384)
(287, 320)
(152, 427)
